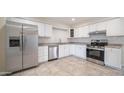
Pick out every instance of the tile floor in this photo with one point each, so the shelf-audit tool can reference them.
(69, 66)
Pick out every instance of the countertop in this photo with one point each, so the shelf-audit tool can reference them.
(78, 43)
(50, 44)
(114, 45)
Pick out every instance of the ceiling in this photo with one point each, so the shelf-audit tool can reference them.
(77, 21)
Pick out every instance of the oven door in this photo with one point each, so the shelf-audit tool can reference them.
(95, 54)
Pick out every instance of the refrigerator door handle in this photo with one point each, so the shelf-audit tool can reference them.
(20, 41)
(23, 41)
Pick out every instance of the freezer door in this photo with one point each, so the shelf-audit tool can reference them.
(30, 46)
(13, 46)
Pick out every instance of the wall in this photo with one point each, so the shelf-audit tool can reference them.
(2, 44)
(57, 34)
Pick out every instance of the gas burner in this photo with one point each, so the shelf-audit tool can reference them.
(98, 44)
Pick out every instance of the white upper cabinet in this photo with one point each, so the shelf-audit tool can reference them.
(98, 26)
(41, 28)
(92, 27)
(44, 30)
(114, 28)
(76, 32)
(81, 32)
(48, 30)
(84, 31)
(101, 26)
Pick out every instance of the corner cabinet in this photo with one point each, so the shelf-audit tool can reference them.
(44, 30)
(113, 57)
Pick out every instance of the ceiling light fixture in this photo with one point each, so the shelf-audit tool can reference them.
(73, 19)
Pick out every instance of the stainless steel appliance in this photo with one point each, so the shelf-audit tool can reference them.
(95, 51)
(21, 46)
(52, 52)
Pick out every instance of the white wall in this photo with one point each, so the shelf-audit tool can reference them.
(57, 34)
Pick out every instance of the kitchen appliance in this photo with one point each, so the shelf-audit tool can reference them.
(95, 51)
(71, 32)
(52, 52)
(101, 32)
(21, 46)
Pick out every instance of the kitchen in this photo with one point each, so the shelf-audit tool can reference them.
(66, 46)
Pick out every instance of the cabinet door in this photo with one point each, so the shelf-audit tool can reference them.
(101, 26)
(41, 29)
(42, 54)
(114, 28)
(83, 52)
(113, 57)
(72, 49)
(116, 58)
(92, 27)
(42, 59)
(86, 31)
(108, 58)
(61, 51)
(77, 50)
(43, 51)
(76, 32)
(67, 50)
(48, 30)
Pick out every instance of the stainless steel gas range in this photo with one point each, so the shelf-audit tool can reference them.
(95, 51)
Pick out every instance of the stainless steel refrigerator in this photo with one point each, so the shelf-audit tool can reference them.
(21, 46)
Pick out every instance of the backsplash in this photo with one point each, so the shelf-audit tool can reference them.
(111, 40)
(58, 35)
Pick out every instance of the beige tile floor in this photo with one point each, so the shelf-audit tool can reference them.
(69, 66)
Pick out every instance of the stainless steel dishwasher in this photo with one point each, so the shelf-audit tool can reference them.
(52, 52)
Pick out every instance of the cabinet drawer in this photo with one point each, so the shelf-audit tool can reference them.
(43, 51)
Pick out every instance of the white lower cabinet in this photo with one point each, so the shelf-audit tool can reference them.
(64, 50)
(61, 51)
(72, 49)
(80, 51)
(113, 57)
(42, 54)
